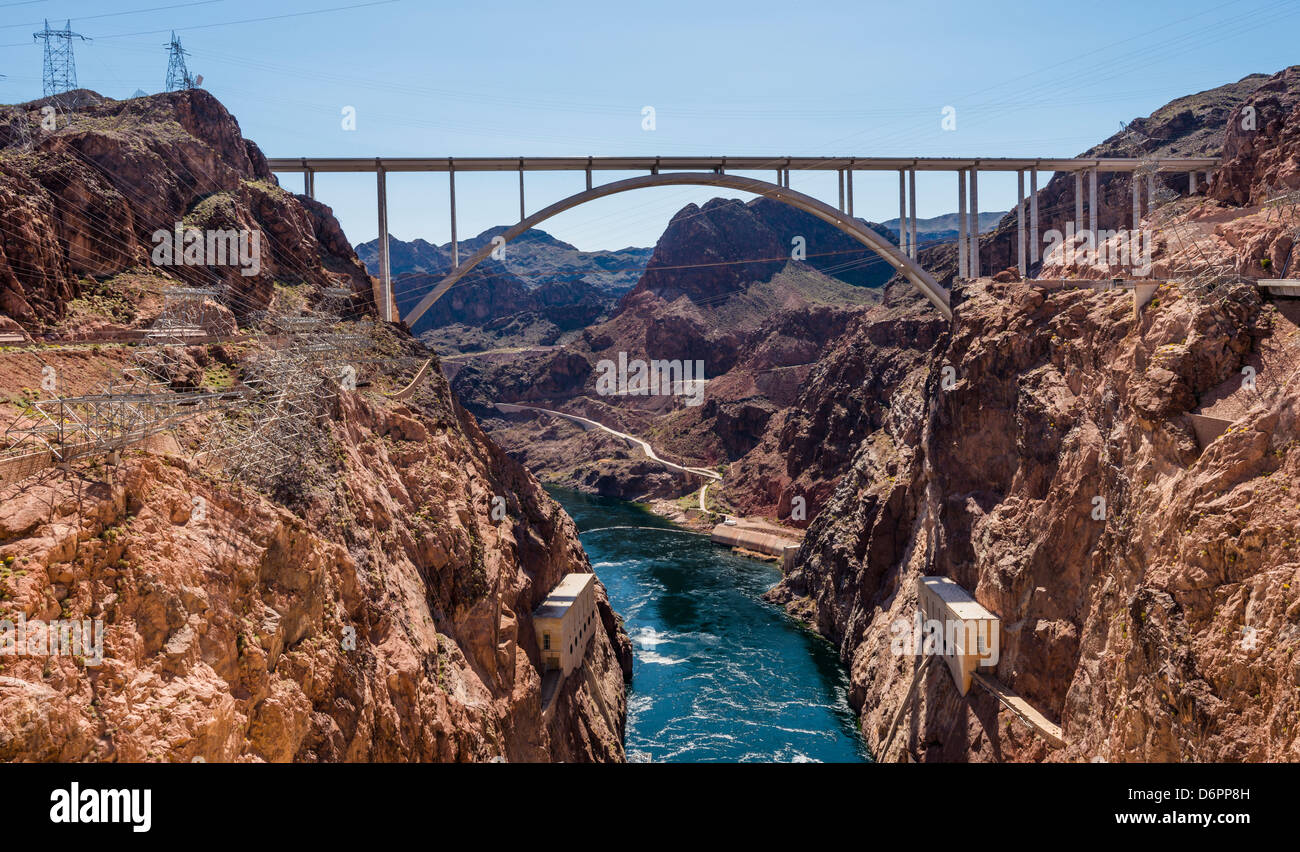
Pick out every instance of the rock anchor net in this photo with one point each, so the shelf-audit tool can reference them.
(270, 440)
(148, 397)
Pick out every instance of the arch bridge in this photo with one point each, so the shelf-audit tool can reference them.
(713, 171)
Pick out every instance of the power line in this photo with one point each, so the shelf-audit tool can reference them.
(116, 14)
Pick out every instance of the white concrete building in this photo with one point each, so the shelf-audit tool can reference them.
(566, 621)
(971, 633)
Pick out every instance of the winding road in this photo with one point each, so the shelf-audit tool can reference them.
(587, 423)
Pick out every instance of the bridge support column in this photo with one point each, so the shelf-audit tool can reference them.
(1092, 207)
(1020, 223)
(1137, 202)
(963, 267)
(1151, 192)
(840, 176)
(1078, 200)
(451, 186)
(911, 210)
(1033, 216)
(385, 277)
(902, 212)
(974, 222)
(1191, 183)
(521, 190)
(848, 175)
(309, 183)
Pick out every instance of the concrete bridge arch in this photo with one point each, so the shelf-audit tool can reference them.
(919, 278)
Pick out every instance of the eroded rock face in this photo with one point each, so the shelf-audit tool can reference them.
(84, 200)
(387, 617)
(718, 249)
(1127, 630)
(1260, 144)
(365, 606)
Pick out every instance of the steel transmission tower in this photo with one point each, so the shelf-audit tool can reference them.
(60, 70)
(178, 76)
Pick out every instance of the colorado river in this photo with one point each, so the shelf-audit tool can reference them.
(720, 674)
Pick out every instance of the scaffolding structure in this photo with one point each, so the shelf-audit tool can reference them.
(1203, 279)
(267, 424)
(1286, 203)
(139, 403)
(292, 388)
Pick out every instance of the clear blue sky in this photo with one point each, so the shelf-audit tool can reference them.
(821, 77)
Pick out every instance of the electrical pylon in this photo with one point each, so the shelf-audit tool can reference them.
(178, 76)
(60, 68)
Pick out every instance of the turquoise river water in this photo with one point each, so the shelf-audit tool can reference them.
(719, 674)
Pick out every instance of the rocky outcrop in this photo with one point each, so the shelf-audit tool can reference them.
(712, 252)
(868, 376)
(84, 198)
(1261, 143)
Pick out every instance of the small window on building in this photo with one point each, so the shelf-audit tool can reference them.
(546, 641)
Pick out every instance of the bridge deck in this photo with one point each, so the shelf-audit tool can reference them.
(643, 164)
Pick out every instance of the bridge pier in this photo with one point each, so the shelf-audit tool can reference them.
(974, 222)
(1092, 207)
(451, 186)
(911, 210)
(902, 212)
(1020, 223)
(1191, 183)
(1151, 192)
(963, 266)
(849, 178)
(308, 180)
(1033, 216)
(1078, 200)
(840, 175)
(385, 277)
(1137, 203)
(521, 189)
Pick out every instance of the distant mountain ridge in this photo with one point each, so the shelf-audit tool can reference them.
(535, 257)
(945, 226)
(722, 247)
(540, 288)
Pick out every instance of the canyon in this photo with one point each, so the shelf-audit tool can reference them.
(373, 599)
(1163, 629)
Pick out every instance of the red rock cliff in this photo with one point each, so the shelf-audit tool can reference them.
(364, 606)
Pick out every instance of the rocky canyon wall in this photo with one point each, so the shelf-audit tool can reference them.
(366, 604)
